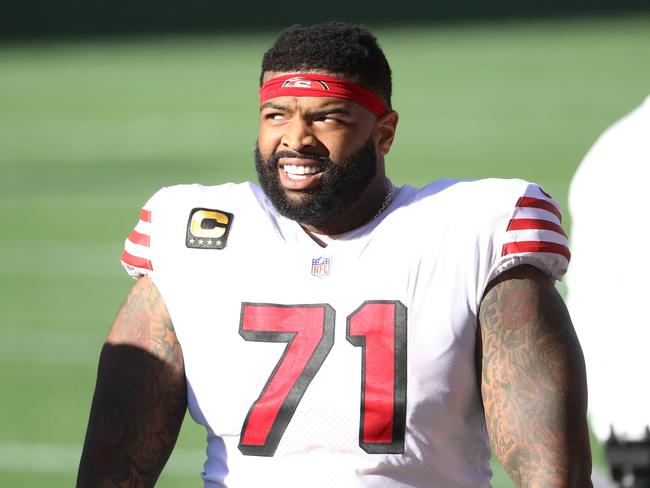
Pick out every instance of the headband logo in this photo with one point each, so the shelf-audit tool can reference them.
(300, 82)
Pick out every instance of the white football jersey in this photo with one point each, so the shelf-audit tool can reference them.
(345, 366)
(608, 301)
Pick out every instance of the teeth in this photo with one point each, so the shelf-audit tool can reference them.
(292, 170)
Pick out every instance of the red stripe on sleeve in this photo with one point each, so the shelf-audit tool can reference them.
(136, 262)
(145, 215)
(137, 238)
(530, 202)
(536, 246)
(529, 224)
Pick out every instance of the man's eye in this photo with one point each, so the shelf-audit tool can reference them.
(328, 119)
(274, 116)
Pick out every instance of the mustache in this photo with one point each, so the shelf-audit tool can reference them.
(323, 160)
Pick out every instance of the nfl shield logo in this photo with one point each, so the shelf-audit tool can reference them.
(321, 266)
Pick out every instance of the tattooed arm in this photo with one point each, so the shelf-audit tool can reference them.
(533, 382)
(140, 396)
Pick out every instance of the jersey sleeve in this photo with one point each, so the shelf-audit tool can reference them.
(137, 257)
(530, 232)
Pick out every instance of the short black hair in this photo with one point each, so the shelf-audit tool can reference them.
(336, 47)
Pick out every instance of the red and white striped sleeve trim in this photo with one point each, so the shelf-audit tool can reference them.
(536, 227)
(136, 257)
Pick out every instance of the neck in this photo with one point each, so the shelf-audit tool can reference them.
(368, 206)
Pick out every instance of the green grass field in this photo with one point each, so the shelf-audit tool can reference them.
(89, 130)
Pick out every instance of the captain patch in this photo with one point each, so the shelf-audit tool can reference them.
(208, 228)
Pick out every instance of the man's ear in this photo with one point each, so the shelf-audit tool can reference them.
(385, 128)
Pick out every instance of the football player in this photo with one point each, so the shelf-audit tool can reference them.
(330, 329)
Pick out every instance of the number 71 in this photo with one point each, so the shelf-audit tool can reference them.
(378, 327)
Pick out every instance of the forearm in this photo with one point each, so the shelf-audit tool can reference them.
(533, 383)
(136, 414)
(140, 397)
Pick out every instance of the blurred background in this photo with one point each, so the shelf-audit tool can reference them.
(103, 103)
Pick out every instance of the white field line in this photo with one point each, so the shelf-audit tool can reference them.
(64, 458)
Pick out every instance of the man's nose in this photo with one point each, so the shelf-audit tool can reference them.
(298, 135)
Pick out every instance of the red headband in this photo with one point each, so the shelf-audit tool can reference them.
(317, 85)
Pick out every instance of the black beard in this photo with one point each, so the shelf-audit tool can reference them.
(340, 186)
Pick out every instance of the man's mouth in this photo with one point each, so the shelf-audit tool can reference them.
(300, 172)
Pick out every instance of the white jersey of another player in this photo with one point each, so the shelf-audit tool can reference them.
(350, 365)
(608, 303)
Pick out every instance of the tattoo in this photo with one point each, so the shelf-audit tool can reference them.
(533, 382)
(140, 396)
(143, 322)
